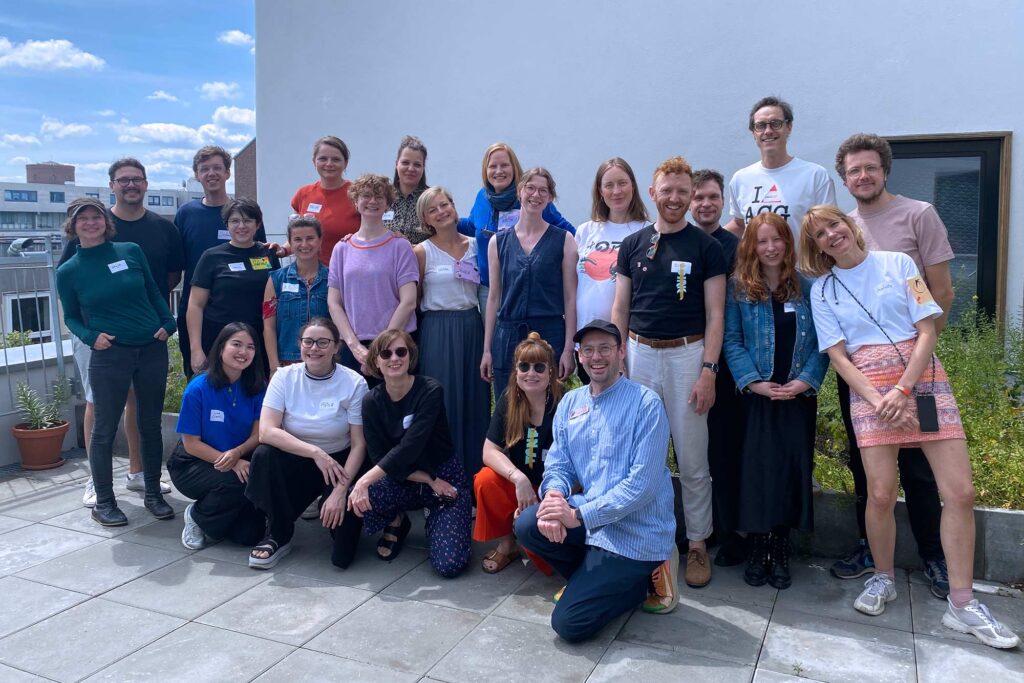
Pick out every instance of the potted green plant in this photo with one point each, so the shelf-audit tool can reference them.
(41, 435)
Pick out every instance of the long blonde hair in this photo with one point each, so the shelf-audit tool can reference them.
(533, 349)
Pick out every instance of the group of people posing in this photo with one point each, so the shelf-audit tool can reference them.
(348, 373)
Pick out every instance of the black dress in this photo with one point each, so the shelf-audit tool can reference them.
(778, 451)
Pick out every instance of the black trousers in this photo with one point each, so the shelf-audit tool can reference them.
(725, 447)
(922, 494)
(221, 509)
(282, 486)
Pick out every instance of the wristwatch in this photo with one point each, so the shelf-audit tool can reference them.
(579, 515)
(713, 367)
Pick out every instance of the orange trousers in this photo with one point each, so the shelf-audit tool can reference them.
(495, 508)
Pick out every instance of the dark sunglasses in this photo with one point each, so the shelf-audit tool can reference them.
(400, 352)
(653, 249)
(539, 368)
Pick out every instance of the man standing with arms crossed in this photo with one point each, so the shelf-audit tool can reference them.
(896, 223)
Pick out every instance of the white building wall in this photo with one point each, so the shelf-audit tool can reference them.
(570, 83)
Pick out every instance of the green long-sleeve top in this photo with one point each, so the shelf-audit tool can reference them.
(109, 288)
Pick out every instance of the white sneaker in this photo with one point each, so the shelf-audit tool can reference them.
(878, 590)
(192, 535)
(89, 495)
(137, 482)
(976, 620)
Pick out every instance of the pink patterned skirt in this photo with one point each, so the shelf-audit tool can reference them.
(882, 367)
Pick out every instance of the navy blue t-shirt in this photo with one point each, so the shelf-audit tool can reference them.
(223, 418)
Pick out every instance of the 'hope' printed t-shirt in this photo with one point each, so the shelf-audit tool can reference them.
(598, 245)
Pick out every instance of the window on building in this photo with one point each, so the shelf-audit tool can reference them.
(21, 196)
(962, 176)
(168, 201)
(28, 312)
(153, 200)
(94, 195)
(56, 197)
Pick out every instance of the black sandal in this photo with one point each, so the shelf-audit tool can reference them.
(394, 547)
(274, 553)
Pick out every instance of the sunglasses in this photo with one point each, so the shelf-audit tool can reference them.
(539, 368)
(653, 249)
(400, 352)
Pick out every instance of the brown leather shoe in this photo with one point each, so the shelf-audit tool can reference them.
(698, 568)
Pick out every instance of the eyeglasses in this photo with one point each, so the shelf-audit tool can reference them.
(533, 189)
(539, 368)
(774, 124)
(321, 343)
(858, 171)
(602, 350)
(400, 352)
(137, 181)
(653, 249)
(238, 222)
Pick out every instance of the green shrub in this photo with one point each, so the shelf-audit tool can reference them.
(15, 338)
(175, 378)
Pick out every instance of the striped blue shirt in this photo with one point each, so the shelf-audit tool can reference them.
(616, 446)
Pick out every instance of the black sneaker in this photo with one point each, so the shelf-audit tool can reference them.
(856, 565)
(158, 507)
(108, 514)
(936, 572)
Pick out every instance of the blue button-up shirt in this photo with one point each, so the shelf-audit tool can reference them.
(615, 445)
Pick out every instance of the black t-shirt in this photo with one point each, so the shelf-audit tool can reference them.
(518, 453)
(236, 279)
(730, 244)
(158, 239)
(668, 292)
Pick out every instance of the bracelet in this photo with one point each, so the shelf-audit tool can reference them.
(903, 390)
(511, 471)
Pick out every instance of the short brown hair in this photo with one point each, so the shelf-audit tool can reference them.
(125, 161)
(534, 172)
(76, 206)
(209, 152)
(864, 142)
(375, 184)
(771, 101)
(676, 164)
(428, 196)
(813, 262)
(707, 175)
(383, 341)
(331, 141)
(304, 222)
(517, 168)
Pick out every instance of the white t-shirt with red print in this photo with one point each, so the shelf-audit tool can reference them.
(598, 247)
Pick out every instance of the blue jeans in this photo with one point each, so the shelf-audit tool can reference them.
(112, 372)
(601, 585)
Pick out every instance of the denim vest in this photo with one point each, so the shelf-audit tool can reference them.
(749, 344)
(296, 305)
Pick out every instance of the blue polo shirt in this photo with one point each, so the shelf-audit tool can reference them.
(221, 418)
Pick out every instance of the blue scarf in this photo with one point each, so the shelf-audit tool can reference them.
(505, 200)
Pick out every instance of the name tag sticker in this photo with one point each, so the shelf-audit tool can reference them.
(507, 219)
(292, 287)
(544, 455)
(919, 290)
(443, 269)
(313, 208)
(579, 412)
(236, 267)
(788, 307)
(388, 216)
(223, 235)
(886, 284)
(467, 270)
(328, 405)
(682, 266)
(117, 266)
(260, 263)
(407, 420)
(216, 416)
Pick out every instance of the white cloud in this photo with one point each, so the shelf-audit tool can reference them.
(219, 90)
(19, 160)
(105, 112)
(166, 133)
(53, 128)
(94, 166)
(47, 55)
(171, 154)
(236, 116)
(235, 37)
(162, 95)
(16, 140)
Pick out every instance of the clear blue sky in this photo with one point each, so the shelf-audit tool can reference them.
(85, 83)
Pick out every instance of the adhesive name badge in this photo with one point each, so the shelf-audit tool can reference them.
(292, 287)
(544, 455)
(117, 266)
(260, 263)
(579, 412)
(788, 307)
(327, 405)
(507, 219)
(313, 208)
(443, 269)
(467, 270)
(223, 235)
(683, 267)
(216, 416)
(388, 216)
(407, 420)
(882, 286)
(919, 290)
(236, 267)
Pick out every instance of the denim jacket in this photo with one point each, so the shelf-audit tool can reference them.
(296, 305)
(750, 340)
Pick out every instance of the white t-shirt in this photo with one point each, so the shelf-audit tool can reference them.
(788, 191)
(448, 285)
(884, 283)
(598, 247)
(318, 411)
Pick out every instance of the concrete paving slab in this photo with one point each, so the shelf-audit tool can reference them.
(9, 675)
(287, 608)
(939, 660)
(835, 650)
(767, 676)
(306, 666)
(11, 523)
(817, 592)
(20, 486)
(708, 627)
(197, 653)
(45, 502)
(473, 590)
(100, 567)
(639, 664)
(80, 519)
(419, 634)
(35, 544)
(91, 635)
(928, 613)
(25, 603)
(188, 587)
(727, 584)
(505, 649)
(533, 600)
(73, 471)
(166, 536)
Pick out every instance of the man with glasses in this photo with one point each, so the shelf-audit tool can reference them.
(896, 223)
(611, 437)
(670, 298)
(778, 183)
(162, 248)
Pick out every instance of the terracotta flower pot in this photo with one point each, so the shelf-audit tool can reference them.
(40, 448)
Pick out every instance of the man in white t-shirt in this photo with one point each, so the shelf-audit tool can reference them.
(899, 224)
(778, 183)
